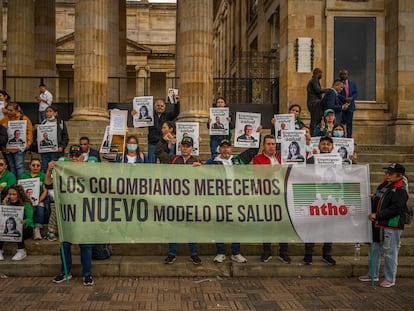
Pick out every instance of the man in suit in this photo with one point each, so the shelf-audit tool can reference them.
(218, 125)
(348, 95)
(87, 151)
(247, 136)
(314, 96)
(333, 101)
(16, 138)
(46, 142)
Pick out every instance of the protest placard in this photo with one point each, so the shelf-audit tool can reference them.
(144, 117)
(293, 147)
(188, 129)
(47, 138)
(246, 134)
(219, 124)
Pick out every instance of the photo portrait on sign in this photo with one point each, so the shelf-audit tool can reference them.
(106, 141)
(172, 96)
(283, 122)
(344, 147)
(11, 226)
(17, 135)
(219, 123)
(293, 147)
(246, 129)
(47, 138)
(31, 187)
(144, 108)
(188, 129)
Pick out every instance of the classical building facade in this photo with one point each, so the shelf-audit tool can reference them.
(371, 38)
(259, 54)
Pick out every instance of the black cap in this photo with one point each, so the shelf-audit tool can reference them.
(395, 168)
(187, 141)
(225, 142)
(75, 151)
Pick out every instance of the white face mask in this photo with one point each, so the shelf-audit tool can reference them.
(132, 147)
(51, 118)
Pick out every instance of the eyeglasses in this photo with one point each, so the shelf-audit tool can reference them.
(2, 164)
(35, 165)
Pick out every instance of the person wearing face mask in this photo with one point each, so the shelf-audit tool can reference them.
(340, 132)
(325, 128)
(132, 153)
(62, 137)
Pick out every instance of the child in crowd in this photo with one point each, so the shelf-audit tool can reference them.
(17, 197)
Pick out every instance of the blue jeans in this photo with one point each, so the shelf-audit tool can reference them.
(42, 115)
(16, 162)
(172, 248)
(390, 245)
(47, 157)
(40, 216)
(85, 254)
(151, 154)
(235, 248)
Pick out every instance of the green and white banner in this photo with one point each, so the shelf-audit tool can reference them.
(147, 203)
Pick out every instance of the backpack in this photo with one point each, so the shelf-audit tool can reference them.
(101, 251)
(409, 214)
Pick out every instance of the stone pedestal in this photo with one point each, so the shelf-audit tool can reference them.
(194, 45)
(91, 60)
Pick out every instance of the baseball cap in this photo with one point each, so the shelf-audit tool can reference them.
(225, 142)
(328, 111)
(395, 168)
(187, 141)
(75, 151)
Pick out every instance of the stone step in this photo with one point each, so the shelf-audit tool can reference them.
(45, 247)
(153, 266)
(385, 158)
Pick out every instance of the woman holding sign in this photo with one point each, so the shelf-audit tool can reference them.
(15, 154)
(17, 197)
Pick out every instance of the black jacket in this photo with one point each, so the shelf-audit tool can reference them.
(388, 202)
(154, 132)
(161, 152)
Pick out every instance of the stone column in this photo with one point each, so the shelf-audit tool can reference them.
(91, 60)
(122, 51)
(45, 43)
(113, 51)
(194, 45)
(20, 49)
(400, 72)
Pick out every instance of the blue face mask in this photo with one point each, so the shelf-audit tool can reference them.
(338, 134)
(132, 147)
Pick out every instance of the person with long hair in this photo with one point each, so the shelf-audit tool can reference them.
(294, 152)
(15, 156)
(35, 171)
(132, 154)
(16, 196)
(168, 132)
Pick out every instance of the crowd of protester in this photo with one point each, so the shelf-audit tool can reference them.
(330, 117)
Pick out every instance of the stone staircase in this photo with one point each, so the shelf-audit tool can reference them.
(132, 260)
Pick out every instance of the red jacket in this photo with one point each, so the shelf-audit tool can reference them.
(262, 159)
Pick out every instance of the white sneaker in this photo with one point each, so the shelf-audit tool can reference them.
(37, 235)
(238, 258)
(220, 258)
(1, 255)
(20, 254)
